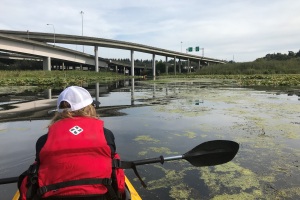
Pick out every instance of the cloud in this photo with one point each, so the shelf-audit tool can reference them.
(247, 29)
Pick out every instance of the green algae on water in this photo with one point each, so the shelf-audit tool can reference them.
(145, 138)
(188, 134)
(162, 150)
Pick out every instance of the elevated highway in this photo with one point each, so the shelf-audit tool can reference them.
(43, 50)
(101, 42)
(19, 47)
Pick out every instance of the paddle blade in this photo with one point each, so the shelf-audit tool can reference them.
(211, 153)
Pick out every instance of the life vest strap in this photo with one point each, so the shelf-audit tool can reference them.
(131, 164)
(89, 181)
(116, 163)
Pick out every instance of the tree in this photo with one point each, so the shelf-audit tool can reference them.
(291, 54)
(161, 67)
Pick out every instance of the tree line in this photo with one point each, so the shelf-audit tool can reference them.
(276, 63)
(280, 56)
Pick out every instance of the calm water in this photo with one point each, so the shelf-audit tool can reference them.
(170, 118)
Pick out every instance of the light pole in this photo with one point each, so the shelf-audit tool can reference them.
(81, 12)
(181, 46)
(53, 31)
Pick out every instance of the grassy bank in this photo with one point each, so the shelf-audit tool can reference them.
(55, 78)
(64, 78)
(260, 66)
(248, 80)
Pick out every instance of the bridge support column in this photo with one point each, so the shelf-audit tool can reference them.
(179, 68)
(189, 68)
(96, 59)
(199, 65)
(175, 65)
(48, 93)
(132, 63)
(153, 65)
(47, 64)
(167, 65)
(116, 67)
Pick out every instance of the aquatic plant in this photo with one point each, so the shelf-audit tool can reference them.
(55, 78)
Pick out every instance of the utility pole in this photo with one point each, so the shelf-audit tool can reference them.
(81, 12)
(53, 32)
(181, 46)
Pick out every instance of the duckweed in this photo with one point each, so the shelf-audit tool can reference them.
(145, 138)
(162, 150)
(264, 125)
(188, 134)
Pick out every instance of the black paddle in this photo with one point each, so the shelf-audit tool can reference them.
(209, 153)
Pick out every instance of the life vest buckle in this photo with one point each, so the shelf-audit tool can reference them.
(106, 181)
(42, 190)
(116, 163)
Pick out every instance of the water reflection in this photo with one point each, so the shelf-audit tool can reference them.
(34, 103)
(132, 91)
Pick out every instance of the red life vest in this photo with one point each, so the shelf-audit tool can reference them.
(74, 157)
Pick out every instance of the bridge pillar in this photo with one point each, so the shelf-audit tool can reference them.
(175, 65)
(48, 93)
(199, 66)
(153, 65)
(179, 68)
(167, 65)
(132, 63)
(96, 59)
(47, 64)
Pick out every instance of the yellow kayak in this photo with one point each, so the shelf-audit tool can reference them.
(131, 193)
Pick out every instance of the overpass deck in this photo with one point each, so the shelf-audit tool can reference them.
(93, 41)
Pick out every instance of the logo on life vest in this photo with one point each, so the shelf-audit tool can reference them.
(76, 130)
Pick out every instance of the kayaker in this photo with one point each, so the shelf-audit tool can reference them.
(74, 160)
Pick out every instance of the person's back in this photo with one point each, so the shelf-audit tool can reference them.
(74, 159)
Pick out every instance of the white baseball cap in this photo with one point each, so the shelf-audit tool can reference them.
(76, 96)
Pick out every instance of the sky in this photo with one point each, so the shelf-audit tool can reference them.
(239, 30)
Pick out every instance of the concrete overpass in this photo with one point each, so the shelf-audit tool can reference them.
(96, 42)
(30, 49)
(43, 50)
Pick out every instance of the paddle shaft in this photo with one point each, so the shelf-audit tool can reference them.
(9, 180)
(160, 159)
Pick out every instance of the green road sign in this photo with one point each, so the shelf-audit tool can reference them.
(190, 49)
(197, 48)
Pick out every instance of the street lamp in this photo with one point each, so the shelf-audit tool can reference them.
(81, 12)
(181, 47)
(53, 31)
